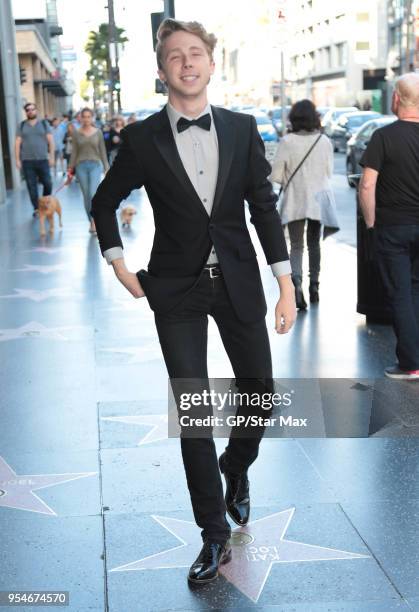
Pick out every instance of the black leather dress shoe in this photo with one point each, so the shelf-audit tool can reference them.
(205, 567)
(237, 494)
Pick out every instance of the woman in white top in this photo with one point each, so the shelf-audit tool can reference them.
(307, 200)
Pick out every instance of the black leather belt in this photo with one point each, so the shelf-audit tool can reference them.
(214, 271)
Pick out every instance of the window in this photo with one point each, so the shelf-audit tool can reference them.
(363, 45)
(366, 132)
(311, 63)
(340, 54)
(328, 56)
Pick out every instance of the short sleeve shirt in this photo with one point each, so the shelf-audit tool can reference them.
(393, 152)
(34, 140)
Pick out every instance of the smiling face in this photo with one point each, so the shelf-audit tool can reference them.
(187, 66)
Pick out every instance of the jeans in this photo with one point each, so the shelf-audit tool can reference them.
(89, 173)
(296, 233)
(34, 170)
(398, 260)
(183, 338)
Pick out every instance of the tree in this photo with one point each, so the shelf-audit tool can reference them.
(97, 47)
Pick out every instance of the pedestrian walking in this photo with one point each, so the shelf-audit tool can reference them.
(114, 137)
(34, 152)
(389, 198)
(198, 163)
(59, 129)
(88, 159)
(303, 166)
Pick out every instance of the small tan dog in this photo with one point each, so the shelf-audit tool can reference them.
(127, 214)
(47, 206)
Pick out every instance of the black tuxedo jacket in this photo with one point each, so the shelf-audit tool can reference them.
(184, 233)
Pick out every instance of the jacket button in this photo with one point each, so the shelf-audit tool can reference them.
(211, 225)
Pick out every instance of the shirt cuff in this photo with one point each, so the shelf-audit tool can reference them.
(113, 253)
(280, 268)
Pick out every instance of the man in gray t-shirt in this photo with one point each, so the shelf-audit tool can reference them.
(34, 151)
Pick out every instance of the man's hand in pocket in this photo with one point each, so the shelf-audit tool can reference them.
(127, 278)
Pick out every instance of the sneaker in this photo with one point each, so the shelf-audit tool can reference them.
(35, 213)
(399, 374)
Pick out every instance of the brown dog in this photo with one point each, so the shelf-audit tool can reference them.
(127, 214)
(47, 206)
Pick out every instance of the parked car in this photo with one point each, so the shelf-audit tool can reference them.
(347, 125)
(332, 115)
(359, 142)
(144, 113)
(276, 117)
(264, 125)
(243, 108)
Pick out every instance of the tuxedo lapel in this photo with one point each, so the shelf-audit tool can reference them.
(226, 144)
(165, 143)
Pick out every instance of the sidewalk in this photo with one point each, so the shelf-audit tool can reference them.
(93, 498)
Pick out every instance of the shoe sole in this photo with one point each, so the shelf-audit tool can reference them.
(226, 558)
(401, 376)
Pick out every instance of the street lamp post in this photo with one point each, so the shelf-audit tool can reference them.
(113, 55)
(169, 8)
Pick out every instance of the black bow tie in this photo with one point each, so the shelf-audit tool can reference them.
(203, 122)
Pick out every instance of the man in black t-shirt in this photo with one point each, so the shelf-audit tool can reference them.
(389, 197)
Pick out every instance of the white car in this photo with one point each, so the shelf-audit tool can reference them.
(332, 116)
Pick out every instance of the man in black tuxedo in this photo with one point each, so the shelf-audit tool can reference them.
(198, 163)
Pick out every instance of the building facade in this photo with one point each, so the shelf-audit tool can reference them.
(37, 40)
(10, 101)
(337, 52)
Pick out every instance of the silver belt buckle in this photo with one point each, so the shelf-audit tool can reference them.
(213, 272)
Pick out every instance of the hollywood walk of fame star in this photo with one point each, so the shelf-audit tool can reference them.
(157, 422)
(256, 547)
(35, 330)
(37, 295)
(40, 269)
(17, 491)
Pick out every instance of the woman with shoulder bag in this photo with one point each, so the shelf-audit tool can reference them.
(303, 166)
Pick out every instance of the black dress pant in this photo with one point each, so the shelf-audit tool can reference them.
(183, 339)
(398, 260)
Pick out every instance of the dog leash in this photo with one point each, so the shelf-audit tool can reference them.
(67, 181)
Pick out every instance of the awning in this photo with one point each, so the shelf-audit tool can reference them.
(54, 85)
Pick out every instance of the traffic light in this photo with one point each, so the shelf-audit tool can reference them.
(116, 84)
(156, 19)
(22, 72)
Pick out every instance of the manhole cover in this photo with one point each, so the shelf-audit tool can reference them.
(240, 539)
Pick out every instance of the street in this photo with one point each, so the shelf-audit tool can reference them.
(345, 203)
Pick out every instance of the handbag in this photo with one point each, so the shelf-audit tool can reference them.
(283, 189)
